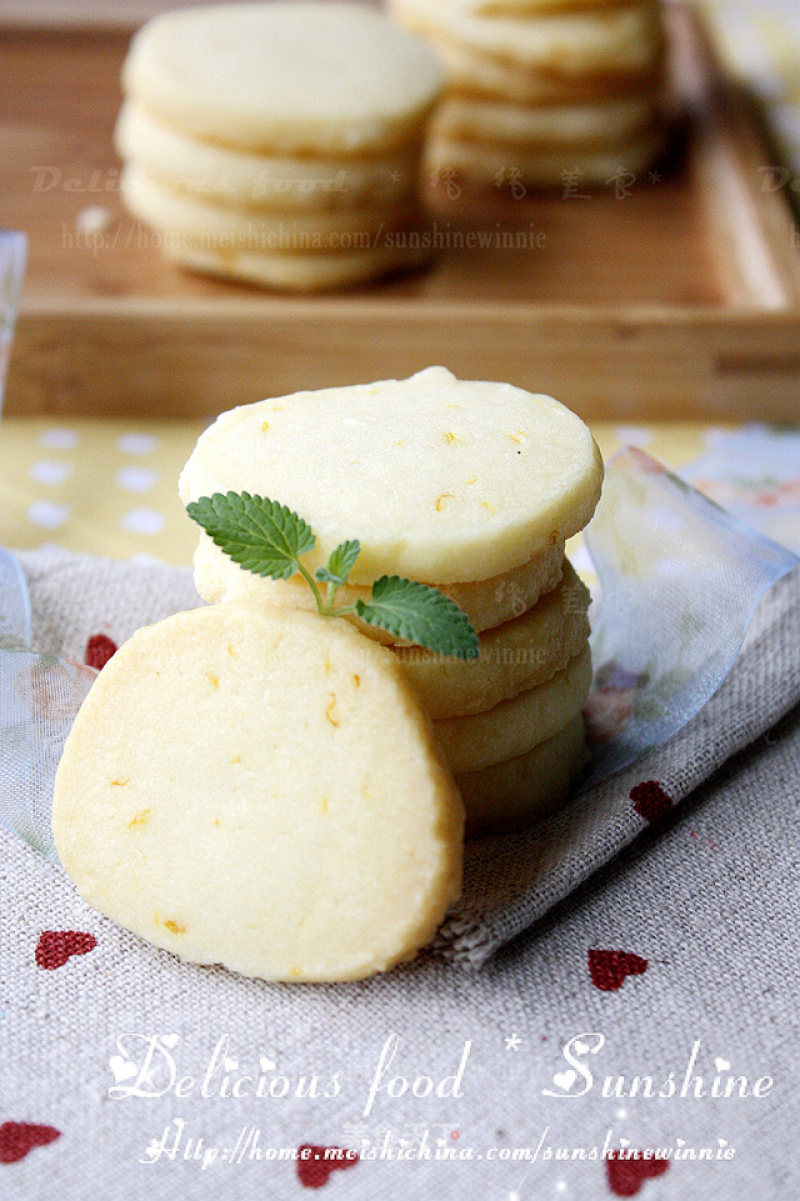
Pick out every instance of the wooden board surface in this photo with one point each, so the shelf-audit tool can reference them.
(679, 299)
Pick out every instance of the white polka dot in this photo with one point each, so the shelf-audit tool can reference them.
(94, 219)
(137, 444)
(48, 514)
(59, 438)
(47, 471)
(143, 521)
(633, 435)
(136, 479)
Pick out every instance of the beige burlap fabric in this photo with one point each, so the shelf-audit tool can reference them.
(676, 962)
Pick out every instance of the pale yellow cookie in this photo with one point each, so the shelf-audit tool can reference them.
(557, 127)
(472, 72)
(259, 181)
(620, 38)
(191, 222)
(570, 169)
(314, 272)
(261, 790)
(487, 603)
(441, 480)
(515, 726)
(509, 796)
(515, 657)
(298, 78)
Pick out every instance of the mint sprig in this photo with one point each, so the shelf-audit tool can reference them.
(258, 534)
(340, 563)
(419, 614)
(269, 539)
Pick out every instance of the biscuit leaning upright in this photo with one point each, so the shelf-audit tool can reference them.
(259, 788)
(277, 142)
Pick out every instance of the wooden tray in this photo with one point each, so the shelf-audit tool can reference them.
(680, 300)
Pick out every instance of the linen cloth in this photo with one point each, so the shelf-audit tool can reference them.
(680, 957)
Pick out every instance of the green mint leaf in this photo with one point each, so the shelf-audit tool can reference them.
(258, 534)
(340, 563)
(420, 614)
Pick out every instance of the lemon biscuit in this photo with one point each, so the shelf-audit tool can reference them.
(558, 126)
(320, 271)
(515, 726)
(193, 222)
(487, 603)
(621, 38)
(298, 78)
(260, 790)
(483, 163)
(441, 480)
(471, 72)
(514, 657)
(508, 796)
(257, 181)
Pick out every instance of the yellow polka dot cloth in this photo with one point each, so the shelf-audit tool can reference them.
(102, 487)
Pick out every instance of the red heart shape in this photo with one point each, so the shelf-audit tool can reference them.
(650, 800)
(608, 969)
(18, 1138)
(99, 649)
(55, 947)
(626, 1176)
(315, 1164)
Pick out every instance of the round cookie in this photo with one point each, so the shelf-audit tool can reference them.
(483, 164)
(440, 479)
(603, 123)
(299, 78)
(515, 657)
(509, 796)
(260, 790)
(516, 726)
(472, 73)
(257, 181)
(313, 272)
(487, 603)
(620, 38)
(191, 222)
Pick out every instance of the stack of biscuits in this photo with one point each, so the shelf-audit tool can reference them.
(544, 92)
(278, 143)
(472, 487)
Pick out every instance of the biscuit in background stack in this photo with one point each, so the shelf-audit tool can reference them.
(544, 90)
(277, 142)
(472, 487)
